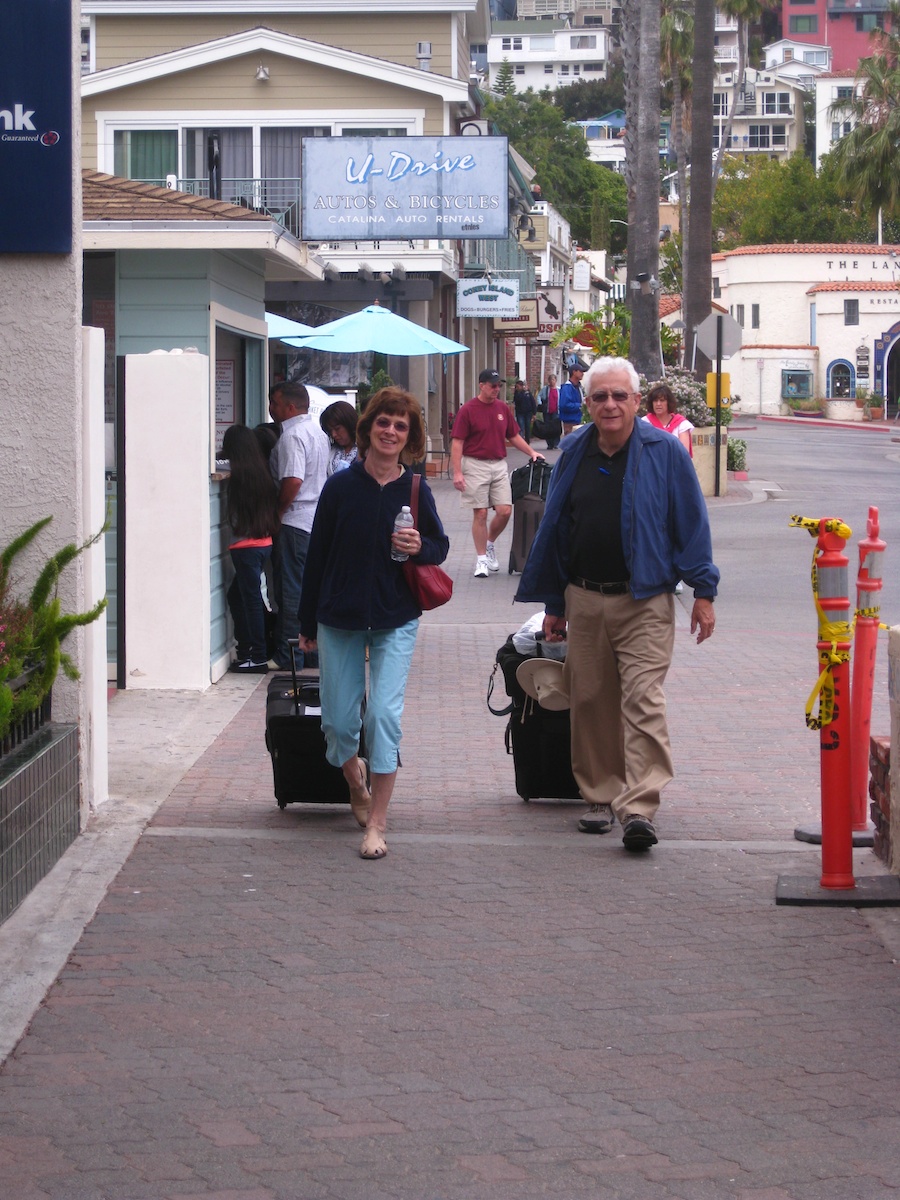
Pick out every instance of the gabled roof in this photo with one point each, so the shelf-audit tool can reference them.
(260, 39)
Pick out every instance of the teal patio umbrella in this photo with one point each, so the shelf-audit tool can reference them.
(281, 327)
(376, 328)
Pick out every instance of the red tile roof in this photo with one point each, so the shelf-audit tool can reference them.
(668, 305)
(874, 285)
(843, 248)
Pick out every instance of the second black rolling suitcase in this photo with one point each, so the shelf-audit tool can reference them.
(529, 491)
(295, 740)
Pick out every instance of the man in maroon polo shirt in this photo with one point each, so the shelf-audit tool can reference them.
(483, 427)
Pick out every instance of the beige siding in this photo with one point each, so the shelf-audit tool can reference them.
(89, 137)
(463, 53)
(232, 86)
(391, 36)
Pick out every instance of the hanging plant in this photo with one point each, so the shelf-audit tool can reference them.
(32, 629)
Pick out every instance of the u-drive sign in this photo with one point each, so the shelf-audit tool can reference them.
(362, 188)
(36, 64)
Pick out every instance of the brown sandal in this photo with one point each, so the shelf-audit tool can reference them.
(373, 845)
(361, 798)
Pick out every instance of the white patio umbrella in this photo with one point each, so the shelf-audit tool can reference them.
(376, 328)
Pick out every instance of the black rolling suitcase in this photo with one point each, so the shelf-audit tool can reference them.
(295, 740)
(538, 739)
(529, 491)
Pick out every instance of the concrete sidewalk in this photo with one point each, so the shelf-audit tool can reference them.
(503, 1008)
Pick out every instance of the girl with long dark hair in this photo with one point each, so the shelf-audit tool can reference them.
(339, 422)
(251, 508)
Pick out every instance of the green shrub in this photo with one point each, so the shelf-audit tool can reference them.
(31, 630)
(737, 454)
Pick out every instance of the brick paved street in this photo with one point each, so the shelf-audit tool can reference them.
(503, 1008)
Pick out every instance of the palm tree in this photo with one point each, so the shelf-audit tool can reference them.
(866, 157)
(676, 48)
(676, 35)
(642, 118)
(747, 12)
(698, 256)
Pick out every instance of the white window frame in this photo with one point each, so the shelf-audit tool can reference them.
(109, 123)
(88, 23)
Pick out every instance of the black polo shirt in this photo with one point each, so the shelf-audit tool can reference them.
(595, 505)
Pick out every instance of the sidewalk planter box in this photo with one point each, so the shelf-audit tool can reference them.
(39, 808)
(704, 444)
(842, 410)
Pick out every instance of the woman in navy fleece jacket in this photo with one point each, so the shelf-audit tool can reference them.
(355, 599)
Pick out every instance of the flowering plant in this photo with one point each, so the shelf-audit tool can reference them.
(31, 630)
(690, 397)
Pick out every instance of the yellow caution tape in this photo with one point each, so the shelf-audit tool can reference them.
(832, 632)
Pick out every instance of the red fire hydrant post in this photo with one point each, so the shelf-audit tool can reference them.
(865, 648)
(831, 594)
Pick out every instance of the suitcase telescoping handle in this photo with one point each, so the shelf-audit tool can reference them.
(294, 647)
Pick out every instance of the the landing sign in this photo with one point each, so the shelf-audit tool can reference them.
(390, 188)
(36, 65)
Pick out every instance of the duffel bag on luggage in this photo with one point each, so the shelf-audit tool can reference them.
(538, 739)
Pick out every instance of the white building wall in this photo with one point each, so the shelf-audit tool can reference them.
(831, 124)
(167, 520)
(780, 281)
(543, 57)
(42, 414)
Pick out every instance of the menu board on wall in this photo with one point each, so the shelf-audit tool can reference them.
(225, 397)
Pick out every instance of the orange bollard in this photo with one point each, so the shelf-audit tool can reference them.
(865, 648)
(833, 605)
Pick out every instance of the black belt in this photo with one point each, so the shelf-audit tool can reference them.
(605, 589)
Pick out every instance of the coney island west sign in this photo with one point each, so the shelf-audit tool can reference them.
(36, 127)
(365, 188)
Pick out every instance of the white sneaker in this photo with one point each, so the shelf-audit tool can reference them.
(481, 568)
(491, 557)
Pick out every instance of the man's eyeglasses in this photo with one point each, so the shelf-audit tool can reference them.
(618, 396)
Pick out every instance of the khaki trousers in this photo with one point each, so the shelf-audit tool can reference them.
(619, 650)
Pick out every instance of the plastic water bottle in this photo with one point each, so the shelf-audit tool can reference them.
(403, 520)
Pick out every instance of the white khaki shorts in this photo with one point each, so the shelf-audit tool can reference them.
(487, 483)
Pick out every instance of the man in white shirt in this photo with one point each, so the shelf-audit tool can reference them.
(299, 464)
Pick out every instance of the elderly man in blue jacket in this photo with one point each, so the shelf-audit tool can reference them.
(625, 521)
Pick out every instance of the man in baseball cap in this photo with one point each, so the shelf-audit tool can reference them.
(483, 427)
(489, 375)
(571, 397)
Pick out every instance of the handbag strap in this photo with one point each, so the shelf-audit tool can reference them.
(414, 498)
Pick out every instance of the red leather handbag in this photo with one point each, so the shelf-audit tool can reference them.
(430, 585)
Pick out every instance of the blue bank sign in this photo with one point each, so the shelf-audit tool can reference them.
(36, 63)
(362, 188)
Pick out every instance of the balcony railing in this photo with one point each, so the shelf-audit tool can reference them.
(275, 198)
(857, 6)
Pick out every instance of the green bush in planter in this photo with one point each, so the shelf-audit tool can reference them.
(32, 630)
(737, 454)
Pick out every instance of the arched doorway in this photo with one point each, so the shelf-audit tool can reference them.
(892, 378)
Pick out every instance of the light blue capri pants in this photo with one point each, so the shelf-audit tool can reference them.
(342, 662)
